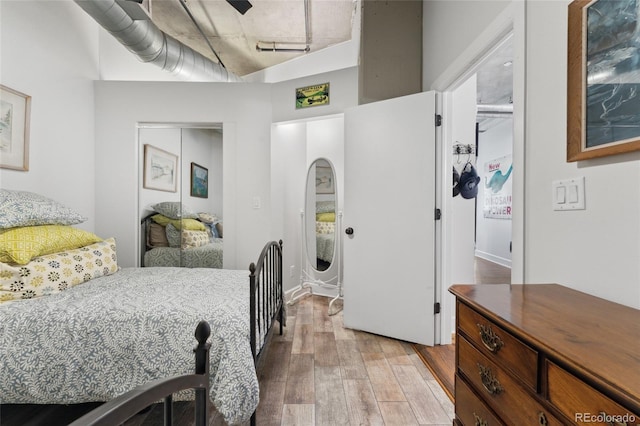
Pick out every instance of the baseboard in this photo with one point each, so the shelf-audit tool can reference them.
(316, 289)
(494, 259)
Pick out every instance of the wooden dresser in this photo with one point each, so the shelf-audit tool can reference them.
(544, 354)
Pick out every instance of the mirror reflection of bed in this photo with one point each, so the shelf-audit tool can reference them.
(181, 208)
(187, 239)
(321, 219)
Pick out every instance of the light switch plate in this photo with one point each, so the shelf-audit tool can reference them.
(568, 194)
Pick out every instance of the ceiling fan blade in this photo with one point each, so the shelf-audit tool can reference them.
(240, 5)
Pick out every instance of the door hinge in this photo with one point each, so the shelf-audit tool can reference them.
(438, 214)
(438, 120)
(436, 308)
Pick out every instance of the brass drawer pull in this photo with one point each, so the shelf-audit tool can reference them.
(489, 381)
(479, 421)
(542, 419)
(489, 338)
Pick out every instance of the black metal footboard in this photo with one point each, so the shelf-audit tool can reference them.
(266, 299)
(266, 296)
(120, 409)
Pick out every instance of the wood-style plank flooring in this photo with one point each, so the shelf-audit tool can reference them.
(317, 373)
(440, 359)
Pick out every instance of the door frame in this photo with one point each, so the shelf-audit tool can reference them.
(509, 23)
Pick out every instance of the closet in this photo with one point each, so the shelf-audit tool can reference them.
(181, 167)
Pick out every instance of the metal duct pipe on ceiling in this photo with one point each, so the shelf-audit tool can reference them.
(146, 41)
(486, 110)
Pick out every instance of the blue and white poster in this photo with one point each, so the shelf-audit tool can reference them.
(498, 188)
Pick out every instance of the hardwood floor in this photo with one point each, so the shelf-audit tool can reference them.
(440, 359)
(487, 272)
(317, 373)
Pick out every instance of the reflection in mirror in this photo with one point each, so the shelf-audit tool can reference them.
(321, 216)
(181, 219)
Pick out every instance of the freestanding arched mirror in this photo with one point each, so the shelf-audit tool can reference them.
(320, 217)
(321, 221)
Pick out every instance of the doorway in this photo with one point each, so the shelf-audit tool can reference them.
(507, 29)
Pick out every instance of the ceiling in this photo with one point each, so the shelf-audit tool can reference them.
(268, 23)
(495, 86)
(292, 24)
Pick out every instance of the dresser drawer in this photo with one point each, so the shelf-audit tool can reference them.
(512, 402)
(500, 346)
(581, 403)
(470, 409)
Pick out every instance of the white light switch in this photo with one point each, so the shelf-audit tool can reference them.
(568, 194)
(256, 202)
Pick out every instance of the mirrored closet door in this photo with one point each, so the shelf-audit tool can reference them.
(180, 195)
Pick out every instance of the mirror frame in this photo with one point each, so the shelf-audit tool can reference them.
(309, 225)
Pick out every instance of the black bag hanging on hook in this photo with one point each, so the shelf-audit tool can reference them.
(469, 180)
(456, 182)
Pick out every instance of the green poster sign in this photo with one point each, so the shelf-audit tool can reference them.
(312, 95)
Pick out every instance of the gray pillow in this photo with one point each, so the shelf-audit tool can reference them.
(174, 210)
(174, 236)
(23, 208)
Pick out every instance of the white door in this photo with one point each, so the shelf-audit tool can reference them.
(389, 205)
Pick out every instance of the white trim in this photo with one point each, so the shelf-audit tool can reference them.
(509, 23)
(494, 259)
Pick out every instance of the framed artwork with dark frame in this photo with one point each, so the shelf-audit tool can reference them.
(603, 78)
(160, 169)
(199, 181)
(15, 111)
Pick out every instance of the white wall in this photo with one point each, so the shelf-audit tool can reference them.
(55, 62)
(245, 113)
(596, 250)
(288, 174)
(343, 94)
(203, 147)
(493, 236)
(449, 27)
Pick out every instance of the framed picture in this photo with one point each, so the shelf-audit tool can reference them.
(312, 95)
(160, 169)
(603, 78)
(324, 180)
(15, 109)
(199, 181)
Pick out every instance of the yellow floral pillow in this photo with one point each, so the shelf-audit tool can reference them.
(57, 272)
(326, 217)
(194, 238)
(20, 245)
(190, 224)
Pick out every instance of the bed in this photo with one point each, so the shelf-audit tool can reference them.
(174, 235)
(325, 230)
(106, 329)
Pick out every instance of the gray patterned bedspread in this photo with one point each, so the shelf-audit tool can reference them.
(209, 256)
(324, 247)
(102, 338)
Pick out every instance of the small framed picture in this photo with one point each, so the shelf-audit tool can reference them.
(15, 109)
(160, 169)
(324, 180)
(199, 181)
